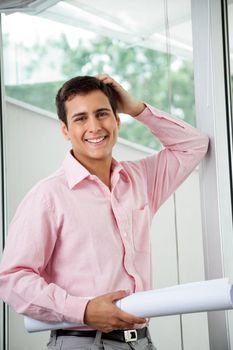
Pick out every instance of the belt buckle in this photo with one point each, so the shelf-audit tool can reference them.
(130, 335)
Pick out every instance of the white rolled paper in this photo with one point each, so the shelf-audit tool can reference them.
(185, 298)
(202, 296)
(33, 325)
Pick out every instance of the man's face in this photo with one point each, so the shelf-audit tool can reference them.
(91, 127)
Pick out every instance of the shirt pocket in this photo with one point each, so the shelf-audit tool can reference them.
(141, 228)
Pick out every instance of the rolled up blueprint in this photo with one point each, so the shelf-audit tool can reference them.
(193, 297)
(33, 325)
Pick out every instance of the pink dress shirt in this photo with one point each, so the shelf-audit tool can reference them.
(72, 238)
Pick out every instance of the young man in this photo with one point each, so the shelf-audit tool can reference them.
(79, 241)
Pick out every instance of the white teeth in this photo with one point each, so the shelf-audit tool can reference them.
(96, 140)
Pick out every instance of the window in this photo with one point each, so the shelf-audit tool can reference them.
(40, 54)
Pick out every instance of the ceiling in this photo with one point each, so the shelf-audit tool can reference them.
(132, 21)
(28, 6)
(158, 24)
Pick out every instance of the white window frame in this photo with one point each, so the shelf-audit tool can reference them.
(212, 113)
(3, 308)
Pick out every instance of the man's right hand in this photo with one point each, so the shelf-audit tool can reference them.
(102, 314)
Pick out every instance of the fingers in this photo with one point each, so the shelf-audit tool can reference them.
(126, 103)
(102, 314)
(127, 319)
(117, 295)
(131, 319)
(106, 78)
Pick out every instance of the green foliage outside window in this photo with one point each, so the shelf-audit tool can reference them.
(143, 71)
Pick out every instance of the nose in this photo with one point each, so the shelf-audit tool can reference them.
(94, 125)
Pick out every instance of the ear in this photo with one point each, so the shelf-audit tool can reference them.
(65, 131)
(118, 120)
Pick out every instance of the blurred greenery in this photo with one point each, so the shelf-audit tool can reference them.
(142, 71)
(41, 95)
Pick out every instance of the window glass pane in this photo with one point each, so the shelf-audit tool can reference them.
(43, 53)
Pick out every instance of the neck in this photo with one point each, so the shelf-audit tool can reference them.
(99, 168)
(102, 170)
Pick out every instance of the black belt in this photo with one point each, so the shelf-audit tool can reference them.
(118, 335)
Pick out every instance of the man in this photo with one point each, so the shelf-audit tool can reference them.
(79, 241)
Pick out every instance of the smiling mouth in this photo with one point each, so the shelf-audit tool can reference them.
(97, 140)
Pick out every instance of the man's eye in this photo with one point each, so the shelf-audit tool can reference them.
(102, 114)
(80, 119)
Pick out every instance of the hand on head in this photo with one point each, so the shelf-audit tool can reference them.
(126, 103)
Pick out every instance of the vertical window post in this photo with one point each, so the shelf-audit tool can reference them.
(3, 307)
(212, 117)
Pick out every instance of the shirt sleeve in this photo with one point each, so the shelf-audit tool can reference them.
(23, 281)
(184, 147)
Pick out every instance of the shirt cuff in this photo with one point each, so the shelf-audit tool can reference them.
(75, 308)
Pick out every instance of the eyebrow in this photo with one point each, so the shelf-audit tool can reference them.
(98, 110)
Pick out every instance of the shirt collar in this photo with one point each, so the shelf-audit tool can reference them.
(118, 168)
(76, 172)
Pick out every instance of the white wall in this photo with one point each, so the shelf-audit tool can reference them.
(35, 148)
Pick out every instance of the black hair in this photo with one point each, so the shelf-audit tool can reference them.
(82, 85)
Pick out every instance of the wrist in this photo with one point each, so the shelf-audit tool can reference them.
(139, 108)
